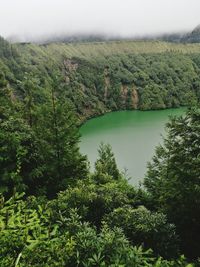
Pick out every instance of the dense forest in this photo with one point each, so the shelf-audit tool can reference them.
(100, 77)
(53, 210)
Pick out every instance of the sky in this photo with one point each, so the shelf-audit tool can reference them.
(32, 19)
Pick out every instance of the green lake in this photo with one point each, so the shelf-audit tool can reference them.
(133, 136)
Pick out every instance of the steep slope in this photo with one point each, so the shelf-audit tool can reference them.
(103, 76)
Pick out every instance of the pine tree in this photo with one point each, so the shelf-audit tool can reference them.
(106, 163)
(57, 130)
(173, 179)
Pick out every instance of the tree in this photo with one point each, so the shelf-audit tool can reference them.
(106, 165)
(143, 227)
(20, 157)
(173, 179)
(61, 161)
(17, 157)
(39, 156)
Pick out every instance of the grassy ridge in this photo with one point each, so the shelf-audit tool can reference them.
(104, 49)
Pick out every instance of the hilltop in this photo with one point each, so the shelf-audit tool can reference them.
(90, 50)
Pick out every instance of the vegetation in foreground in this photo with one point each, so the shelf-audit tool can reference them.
(54, 212)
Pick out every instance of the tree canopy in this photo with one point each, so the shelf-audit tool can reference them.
(173, 178)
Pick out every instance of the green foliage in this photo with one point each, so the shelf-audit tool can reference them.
(29, 237)
(97, 78)
(93, 200)
(5, 49)
(105, 165)
(144, 227)
(39, 148)
(21, 227)
(173, 179)
(3, 81)
(18, 154)
(61, 160)
(152, 97)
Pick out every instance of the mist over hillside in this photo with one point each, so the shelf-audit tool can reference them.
(192, 36)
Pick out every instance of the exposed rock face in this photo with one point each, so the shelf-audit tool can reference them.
(124, 91)
(129, 95)
(70, 65)
(107, 82)
(135, 97)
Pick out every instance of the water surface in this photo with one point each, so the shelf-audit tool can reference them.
(133, 136)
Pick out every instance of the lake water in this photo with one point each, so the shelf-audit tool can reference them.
(133, 136)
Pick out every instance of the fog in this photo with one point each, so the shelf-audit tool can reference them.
(28, 20)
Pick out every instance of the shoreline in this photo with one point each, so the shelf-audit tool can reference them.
(94, 116)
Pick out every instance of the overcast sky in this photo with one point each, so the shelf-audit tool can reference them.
(34, 18)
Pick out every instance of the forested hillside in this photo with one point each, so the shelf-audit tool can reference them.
(100, 77)
(53, 210)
